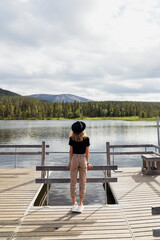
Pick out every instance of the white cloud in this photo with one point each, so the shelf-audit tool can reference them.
(97, 49)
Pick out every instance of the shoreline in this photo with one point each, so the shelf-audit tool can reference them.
(89, 118)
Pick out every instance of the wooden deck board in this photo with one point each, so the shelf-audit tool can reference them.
(136, 199)
(130, 219)
(17, 190)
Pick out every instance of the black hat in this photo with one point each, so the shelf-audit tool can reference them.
(78, 127)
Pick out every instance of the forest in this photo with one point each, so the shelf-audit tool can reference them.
(17, 107)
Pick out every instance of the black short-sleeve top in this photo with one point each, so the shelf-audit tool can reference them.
(79, 147)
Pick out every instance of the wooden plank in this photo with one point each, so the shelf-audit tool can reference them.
(63, 168)
(67, 180)
(133, 146)
(21, 146)
(131, 153)
(20, 153)
(75, 237)
(150, 157)
(77, 234)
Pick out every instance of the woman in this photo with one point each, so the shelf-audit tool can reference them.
(78, 161)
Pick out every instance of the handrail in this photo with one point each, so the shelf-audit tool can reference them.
(42, 153)
(67, 180)
(119, 146)
(135, 146)
(132, 145)
(113, 153)
(131, 153)
(63, 168)
(91, 152)
(20, 153)
(21, 146)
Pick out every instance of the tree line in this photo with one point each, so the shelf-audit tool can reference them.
(17, 107)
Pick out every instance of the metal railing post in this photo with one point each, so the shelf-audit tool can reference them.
(15, 163)
(113, 157)
(105, 187)
(43, 158)
(47, 189)
(108, 158)
(158, 133)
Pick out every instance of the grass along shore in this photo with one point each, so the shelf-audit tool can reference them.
(133, 118)
(119, 118)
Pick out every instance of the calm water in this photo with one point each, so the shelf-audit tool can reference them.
(56, 134)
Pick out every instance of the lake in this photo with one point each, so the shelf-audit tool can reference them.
(56, 134)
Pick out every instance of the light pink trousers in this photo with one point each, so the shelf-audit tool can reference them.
(78, 164)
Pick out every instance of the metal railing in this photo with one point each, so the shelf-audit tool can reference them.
(110, 151)
(145, 146)
(20, 146)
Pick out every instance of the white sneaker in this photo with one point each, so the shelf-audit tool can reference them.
(74, 208)
(80, 209)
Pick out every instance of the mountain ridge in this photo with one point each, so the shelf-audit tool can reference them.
(49, 97)
(60, 97)
(8, 93)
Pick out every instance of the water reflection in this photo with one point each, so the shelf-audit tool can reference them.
(60, 194)
(56, 133)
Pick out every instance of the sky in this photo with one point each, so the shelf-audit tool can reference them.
(98, 49)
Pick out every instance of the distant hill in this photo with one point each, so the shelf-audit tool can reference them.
(7, 93)
(60, 98)
(49, 97)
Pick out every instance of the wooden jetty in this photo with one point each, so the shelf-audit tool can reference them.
(137, 196)
(131, 218)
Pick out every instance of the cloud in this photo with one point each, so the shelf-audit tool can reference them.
(104, 50)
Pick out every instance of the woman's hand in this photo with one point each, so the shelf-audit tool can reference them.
(68, 167)
(89, 167)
